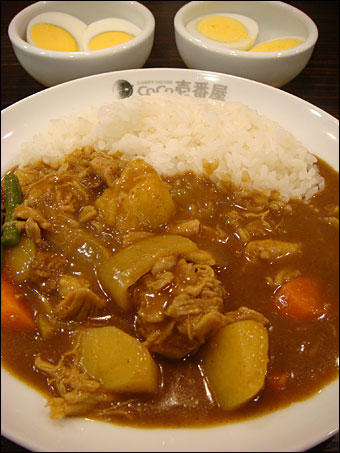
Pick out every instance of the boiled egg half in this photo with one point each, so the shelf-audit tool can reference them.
(108, 32)
(56, 31)
(276, 45)
(231, 31)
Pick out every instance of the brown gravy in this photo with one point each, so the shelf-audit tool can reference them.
(306, 353)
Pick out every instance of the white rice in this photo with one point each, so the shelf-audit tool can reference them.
(176, 133)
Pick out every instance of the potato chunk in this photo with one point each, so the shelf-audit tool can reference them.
(235, 362)
(19, 259)
(117, 360)
(137, 199)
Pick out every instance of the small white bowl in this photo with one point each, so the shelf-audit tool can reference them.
(275, 20)
(53, 67)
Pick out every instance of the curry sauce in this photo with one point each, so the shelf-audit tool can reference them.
(222, 221)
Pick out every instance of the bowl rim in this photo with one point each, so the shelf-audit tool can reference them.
(308, 44)
(24, 46)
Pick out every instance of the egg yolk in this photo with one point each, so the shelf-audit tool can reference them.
(109, 39)
(52, 37)
(277, 45)
(222, 28)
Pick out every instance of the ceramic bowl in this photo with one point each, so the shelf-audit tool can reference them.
(274, 19)
(53, 67)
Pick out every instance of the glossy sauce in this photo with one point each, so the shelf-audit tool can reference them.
(306, 353)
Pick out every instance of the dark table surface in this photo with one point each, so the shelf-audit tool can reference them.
(317, 84)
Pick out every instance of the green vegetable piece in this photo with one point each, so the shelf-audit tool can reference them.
(11, 236)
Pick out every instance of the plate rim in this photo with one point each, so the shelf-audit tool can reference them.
(303, 444)
(169, 69)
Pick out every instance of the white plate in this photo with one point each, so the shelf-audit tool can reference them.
(25, 419)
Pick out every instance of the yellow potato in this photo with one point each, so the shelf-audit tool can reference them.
(235, 362)
(19, 259)
(148, 204)
(137, 199)
(117, 360)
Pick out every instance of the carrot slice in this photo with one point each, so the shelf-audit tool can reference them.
(302, 299)
(14, 313)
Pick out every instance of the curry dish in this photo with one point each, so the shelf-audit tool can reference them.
(171, 301)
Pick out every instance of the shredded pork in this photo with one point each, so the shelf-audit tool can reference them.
(77, 392)
(176, 326)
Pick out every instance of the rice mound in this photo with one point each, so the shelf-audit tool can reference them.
(177, 133)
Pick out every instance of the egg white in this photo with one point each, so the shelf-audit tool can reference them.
(250, 25)
(108, 24)
(72, 24)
